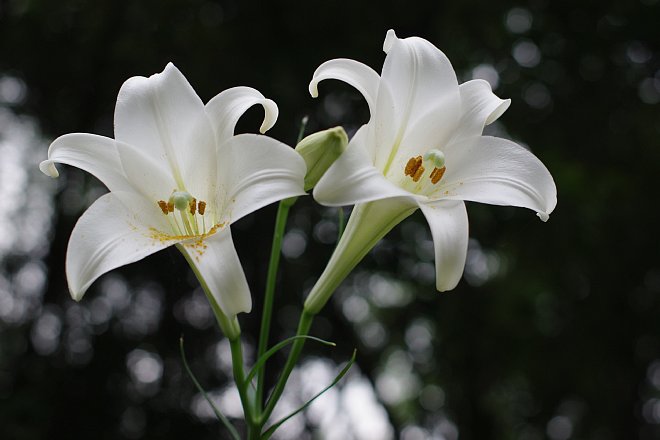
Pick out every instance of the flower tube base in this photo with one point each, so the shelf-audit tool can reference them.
(369, 223)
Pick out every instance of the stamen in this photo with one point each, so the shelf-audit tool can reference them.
(162, 204)
(186, 222)
(418, 174)
(414, 168)
(437, 174)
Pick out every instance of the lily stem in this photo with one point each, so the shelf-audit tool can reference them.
(275, 252)
(253, 425)
(304, 325)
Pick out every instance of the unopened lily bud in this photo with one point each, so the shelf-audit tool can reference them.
(320, 150)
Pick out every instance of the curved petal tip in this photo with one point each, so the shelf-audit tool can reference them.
(390, 38)
(499, 111)
(271, 112)
(543, 216)
(48, 168)
(314, 88)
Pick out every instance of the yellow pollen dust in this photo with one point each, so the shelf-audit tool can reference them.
(194, 242)
(414, 168)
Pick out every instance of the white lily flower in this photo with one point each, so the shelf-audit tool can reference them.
(177, 175)
(422, 148)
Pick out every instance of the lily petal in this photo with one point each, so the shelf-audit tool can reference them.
(418, 98)
(500, 172)
(226, 108)
(256, 171)
(353, 179)
(95, 154)
(108, 236)
(164, 118)
(479, 107)
(449, 227)
(352, 72)
(147, 177)
(215, 259)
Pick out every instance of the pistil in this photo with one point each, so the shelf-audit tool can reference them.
(188, 207)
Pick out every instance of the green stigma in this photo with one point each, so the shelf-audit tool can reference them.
(436, 157)
(181, 200)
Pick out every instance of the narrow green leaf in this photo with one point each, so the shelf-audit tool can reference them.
(277, 347)
(341, 374)
(217, 412)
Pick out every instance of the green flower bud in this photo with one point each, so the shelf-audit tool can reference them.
(320, 150)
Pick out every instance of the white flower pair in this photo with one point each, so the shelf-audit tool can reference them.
(177, 174)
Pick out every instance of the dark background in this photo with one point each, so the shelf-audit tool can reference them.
(554, 332)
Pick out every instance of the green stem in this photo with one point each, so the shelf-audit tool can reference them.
(269, 432)
(304, 325)
(277, 347)
(254, 428)
(232, 331)
(275, 252)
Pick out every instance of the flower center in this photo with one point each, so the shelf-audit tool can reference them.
(422, 169)
(186, 219)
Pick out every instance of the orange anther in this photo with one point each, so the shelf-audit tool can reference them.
(162, 204)
(437, 174)
(193, 206)
(201, 207)
(414, 168)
